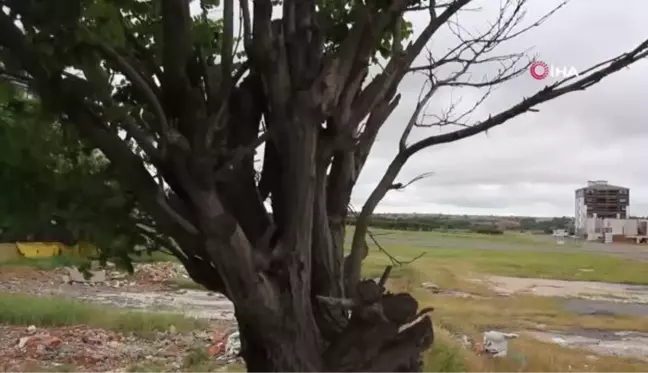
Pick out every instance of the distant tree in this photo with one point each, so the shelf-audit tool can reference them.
(178, 110)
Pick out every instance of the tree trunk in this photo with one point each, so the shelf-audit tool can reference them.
(370, 342)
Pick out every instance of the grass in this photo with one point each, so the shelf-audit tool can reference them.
(452, 268)
(46, 263)
(455, 316)
(57, 261)
(432, 238)
(197, 360)
(18, 309)
(548, 264)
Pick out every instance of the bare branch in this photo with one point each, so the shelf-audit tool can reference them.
(247, 25)
(422, 102)
(423, 314)
(184, 223)
(384, 277)
(500, 31)
(422, 176)
(343, 302)
(139, 82)
(592, 76)
(226, 49)
(372, 236)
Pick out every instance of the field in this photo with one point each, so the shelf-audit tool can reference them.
(518, 283)
(464, 307)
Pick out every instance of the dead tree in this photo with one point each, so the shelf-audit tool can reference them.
(196, 120)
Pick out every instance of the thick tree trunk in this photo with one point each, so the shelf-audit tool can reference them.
(369, 343)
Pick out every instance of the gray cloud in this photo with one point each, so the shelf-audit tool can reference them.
(532, 164)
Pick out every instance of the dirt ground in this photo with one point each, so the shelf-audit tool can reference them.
(585, 298)
(85, 348)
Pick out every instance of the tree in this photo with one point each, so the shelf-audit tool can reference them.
(154, 87)
(57, 188)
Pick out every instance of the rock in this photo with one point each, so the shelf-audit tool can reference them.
(496, 342)
(95, 276)
(66, 279)
(22, 342)
(591, 357)
(466, 341)
(172, 329)
(114, 344)
(431, 286)
(31, 329)
(44, 340)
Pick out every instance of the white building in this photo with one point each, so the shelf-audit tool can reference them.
(599, 200)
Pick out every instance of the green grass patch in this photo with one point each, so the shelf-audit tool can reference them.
(18, 309)
(391, 237)
(544, 264)
(444, 357)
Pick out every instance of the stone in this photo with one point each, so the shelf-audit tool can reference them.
(496, 342)
(172, 329)
(431, 286)
(31, 329)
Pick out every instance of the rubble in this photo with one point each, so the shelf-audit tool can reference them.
(495, 343)
(94, 350)
(74, 275)
(226, 347)
(160, 271)
(436, 289)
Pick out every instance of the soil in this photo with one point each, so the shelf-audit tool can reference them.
(83, 348)
(587, 298)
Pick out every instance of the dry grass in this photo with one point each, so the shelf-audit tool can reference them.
(472, 316)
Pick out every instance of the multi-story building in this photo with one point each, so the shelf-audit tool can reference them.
(600, 200)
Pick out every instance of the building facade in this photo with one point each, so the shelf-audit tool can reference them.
(599, 201)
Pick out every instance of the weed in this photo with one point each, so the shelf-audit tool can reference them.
(18, 309)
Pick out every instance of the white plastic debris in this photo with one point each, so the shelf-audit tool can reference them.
(232, 346)
(496, 343)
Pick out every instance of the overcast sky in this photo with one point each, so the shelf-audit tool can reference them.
(532, 164)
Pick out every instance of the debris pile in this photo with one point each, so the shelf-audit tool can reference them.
(494, 343)
(226, 347)
(92, 349)
(159, 271)
(145, 273)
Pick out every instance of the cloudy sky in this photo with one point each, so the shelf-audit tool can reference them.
(532, 164)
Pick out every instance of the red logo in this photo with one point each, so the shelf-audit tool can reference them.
(539, 70)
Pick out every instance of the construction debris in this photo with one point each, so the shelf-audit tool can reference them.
(94, 350)
(160, 271)
(495, 343)
(226, 347)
